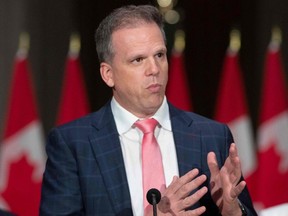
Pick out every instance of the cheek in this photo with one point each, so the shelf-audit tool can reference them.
(164, 66)
(129, 80)
(128, 84)
(165, 73)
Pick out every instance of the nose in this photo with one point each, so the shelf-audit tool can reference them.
(153, 67)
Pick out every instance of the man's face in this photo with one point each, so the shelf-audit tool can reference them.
(138, 72)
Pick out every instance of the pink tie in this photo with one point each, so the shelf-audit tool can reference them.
(152, 167)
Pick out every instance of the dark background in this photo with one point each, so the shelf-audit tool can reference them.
(207, 24)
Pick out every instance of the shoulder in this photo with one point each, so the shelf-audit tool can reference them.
(198, 125)
(192, 118)
(211, 135)
(85, 124)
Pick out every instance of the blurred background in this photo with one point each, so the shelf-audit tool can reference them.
(207, 25)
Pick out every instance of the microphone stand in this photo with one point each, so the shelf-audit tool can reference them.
(154, 204)
(153, 197)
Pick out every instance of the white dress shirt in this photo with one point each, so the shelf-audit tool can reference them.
(131, 139)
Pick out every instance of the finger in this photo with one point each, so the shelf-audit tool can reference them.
(233, 155)
(190, 186)
(233, 150)
(230, 176)
(179, 182)
(196, 212)
(166, 204)
(172, 185)
(233, 164)
(174, 179)
(235, 192)
(192, 199)
(212, 164)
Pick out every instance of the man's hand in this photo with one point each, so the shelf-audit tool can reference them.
(176, 198)
(225, 185)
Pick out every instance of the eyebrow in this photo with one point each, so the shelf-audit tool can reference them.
(162, 50)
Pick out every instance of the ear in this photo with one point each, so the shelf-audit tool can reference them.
(107, 74)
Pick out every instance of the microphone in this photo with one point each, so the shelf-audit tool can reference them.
(153, 196)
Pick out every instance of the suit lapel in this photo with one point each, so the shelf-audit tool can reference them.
(187, 138)
(106, 146)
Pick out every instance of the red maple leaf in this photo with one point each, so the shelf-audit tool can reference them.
(22, 193)
(268, 184)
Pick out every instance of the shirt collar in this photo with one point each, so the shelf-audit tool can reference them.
(125, 120)
(162, 115)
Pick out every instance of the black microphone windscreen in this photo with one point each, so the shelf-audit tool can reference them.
(153, 192)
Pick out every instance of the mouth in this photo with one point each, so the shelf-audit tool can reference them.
(154, 88)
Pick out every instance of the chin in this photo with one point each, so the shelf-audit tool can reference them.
(155, 105)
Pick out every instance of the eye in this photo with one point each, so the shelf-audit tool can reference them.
(138, 60)
(160, 55)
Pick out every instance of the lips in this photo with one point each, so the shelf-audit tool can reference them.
(154, 88)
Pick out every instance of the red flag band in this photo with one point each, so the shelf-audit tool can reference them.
(231, 108)
(74, 101)
(177, 87)
(22, 158)
(269, 182)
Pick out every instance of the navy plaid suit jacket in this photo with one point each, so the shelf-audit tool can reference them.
(85, 173)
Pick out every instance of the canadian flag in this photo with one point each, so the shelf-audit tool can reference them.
(74, 101)
(22, 157)
(231, 108)
(177, 91)
(270, 180)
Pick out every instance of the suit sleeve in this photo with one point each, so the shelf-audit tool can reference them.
(61, 193)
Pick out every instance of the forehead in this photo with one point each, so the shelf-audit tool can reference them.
(142, 34)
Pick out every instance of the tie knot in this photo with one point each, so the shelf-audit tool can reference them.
(146, 125)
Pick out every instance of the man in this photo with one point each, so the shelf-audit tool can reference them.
(94, 163)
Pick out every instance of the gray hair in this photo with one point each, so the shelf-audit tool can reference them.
(124, 17)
